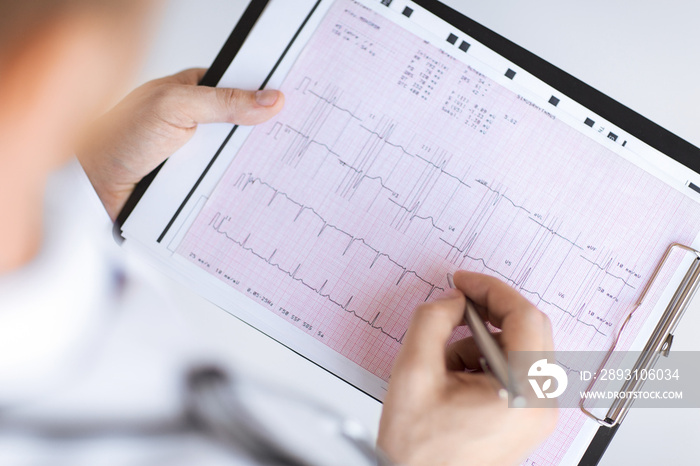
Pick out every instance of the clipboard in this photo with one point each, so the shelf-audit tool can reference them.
(632, 123)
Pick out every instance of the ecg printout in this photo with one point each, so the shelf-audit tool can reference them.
(392, 164)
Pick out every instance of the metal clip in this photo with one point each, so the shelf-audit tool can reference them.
(666, 347)
(657, 344)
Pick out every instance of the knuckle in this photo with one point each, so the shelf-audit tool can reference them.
(166, 91)
(191, 75)
(231, 97)
(422, 310)
(164, 95)
(537, 317)
(425, 307)
(234, 104)
(432, 310)
(547, 323)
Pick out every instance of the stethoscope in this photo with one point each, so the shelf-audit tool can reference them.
(228, 411)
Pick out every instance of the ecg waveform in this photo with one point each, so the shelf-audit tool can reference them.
(392, 165)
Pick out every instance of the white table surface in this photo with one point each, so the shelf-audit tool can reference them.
(640, 52)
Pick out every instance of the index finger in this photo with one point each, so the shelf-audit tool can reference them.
(525, 328)
(191, 76)
(424, 344)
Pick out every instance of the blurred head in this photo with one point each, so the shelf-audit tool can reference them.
(61, 63)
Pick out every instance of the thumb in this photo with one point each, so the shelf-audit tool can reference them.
(202, 104)
(424, 345)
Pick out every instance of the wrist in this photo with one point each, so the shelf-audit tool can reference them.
(113, 192)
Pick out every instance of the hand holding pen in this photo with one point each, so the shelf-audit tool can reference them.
(436, 412)
(492, 360)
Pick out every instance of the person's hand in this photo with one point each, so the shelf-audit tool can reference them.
(435, 413)
(154, 121)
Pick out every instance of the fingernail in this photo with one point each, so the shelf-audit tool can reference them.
(267, 98)
(449, 293)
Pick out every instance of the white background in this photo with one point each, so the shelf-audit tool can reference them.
(641, 53)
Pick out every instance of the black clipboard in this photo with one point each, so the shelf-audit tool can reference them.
(625, 118)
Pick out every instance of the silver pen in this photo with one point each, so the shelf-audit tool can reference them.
(493, 360)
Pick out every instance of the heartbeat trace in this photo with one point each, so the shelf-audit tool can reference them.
(246, 180)
(384, 137)
(298, 148)
(303, 140)
(292, 274)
